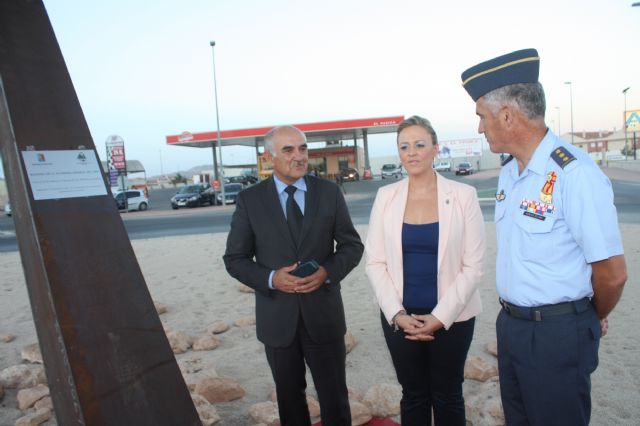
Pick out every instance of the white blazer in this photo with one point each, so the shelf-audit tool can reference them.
(461, 249)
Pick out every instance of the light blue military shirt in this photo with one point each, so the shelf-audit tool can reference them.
(551, 223)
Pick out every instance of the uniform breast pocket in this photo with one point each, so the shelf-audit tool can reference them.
(535, 224)
(536, 238)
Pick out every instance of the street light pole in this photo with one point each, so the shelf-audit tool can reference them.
(571, 104)
(624, 118)
(215, 91)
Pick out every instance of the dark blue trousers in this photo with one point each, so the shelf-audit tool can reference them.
(326, 362)
(431, 373)
(545, 368)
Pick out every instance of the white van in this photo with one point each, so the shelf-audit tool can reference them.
(136, 200)
(442, 166)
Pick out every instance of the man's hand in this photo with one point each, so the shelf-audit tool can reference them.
(282, 280)
(431, 324)
(311, 282)
(604, 327)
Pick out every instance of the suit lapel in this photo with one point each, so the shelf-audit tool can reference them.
(398, 207)
(272, 204)
(445, 209)
(310, 208)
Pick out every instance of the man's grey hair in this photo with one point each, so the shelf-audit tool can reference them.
(416, 120)
(527, 97)
(268, 138)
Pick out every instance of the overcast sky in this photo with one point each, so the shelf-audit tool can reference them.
(143, 69)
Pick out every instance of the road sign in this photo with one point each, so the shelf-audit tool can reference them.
(632, 118)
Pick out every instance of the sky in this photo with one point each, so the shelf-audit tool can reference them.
(143, 69)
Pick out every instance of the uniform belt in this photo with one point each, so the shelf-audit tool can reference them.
(538, 313)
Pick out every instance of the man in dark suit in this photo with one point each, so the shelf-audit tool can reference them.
(285, 220)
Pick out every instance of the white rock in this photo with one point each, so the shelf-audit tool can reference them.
(22, 376)
(206, 411)
(218, 327)
(349, 341)
(206, 343)
(244, 322)
(383, 399)
(485, 407)
(31, 353)
(27, 397)
(265, 413)
(6, 338)
(360, 413)
(160, 308)
(314, 406)
(34, 419)
(355, 395)
(492, 348)
(219, 389)
(245, 289)
(194, 371)
(476, 368)
(44, 403)
(180, 342)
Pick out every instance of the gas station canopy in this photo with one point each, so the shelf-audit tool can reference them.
(328, 131)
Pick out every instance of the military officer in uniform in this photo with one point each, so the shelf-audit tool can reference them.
(560, 268)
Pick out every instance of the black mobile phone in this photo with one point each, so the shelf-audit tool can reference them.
(306, 268)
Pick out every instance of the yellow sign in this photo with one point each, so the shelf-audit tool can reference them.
(632, 118)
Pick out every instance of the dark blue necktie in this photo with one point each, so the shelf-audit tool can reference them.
(294, 215)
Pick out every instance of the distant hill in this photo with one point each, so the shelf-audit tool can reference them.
(187, 173)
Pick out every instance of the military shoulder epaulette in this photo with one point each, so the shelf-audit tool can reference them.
(562, 156)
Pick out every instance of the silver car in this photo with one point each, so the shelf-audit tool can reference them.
(391, 170)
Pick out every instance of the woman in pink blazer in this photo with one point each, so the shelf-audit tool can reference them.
(425, 254)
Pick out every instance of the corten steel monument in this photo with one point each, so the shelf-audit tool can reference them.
(106, 356)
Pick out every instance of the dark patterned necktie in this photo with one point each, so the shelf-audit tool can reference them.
(294, 215)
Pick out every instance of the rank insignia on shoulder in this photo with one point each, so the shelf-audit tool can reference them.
(500, 195)
(562, 156)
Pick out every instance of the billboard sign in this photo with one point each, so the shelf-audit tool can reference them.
(632, 119)
(460, 148)
(117, 164)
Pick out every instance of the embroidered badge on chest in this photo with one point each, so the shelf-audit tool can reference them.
(546, 193)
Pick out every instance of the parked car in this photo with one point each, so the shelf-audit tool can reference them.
(464, 168)
(442, 166)
(195, 195)
(7, 209)
(349, 174)
(245, 180)
(136, 199)
(391, 170)
(231, 191)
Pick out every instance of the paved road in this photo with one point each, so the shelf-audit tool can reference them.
(161, 220)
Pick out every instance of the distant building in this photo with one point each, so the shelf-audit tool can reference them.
(602, 145)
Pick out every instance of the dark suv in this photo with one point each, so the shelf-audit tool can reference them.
(349, 174)
(464, 168)
(197, 194)
(245, 180)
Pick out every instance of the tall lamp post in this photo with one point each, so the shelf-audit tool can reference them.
(571, 105)
(215, 91)
(624, 118)
(559, 129)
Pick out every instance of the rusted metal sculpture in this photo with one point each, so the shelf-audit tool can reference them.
(106, 356)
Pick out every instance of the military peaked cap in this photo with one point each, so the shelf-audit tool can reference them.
(521, 66)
